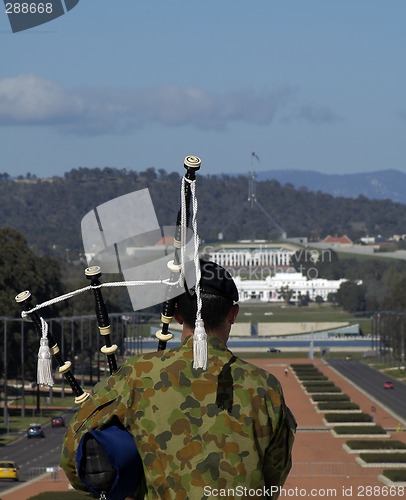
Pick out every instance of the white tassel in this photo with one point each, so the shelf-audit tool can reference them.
(200, 353)
(44, 366)
(200, 346)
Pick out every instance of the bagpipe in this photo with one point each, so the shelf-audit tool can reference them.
(99, 458)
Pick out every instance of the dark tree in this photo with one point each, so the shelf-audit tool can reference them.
(351, 297)
(21, 269)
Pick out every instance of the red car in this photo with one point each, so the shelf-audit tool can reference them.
(388, 385)
(58, 422)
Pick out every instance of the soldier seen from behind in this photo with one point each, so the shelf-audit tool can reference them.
(221, 431)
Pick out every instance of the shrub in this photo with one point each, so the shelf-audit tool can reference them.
(348, 417)
(303, 366)
(307, 377)
(322, 388)
(395, 475)
(310, 383)
(359, 429)
(330, 397)
(383, 457)
(361, 444)
(303, 369)
(304, 375)
(337, 405)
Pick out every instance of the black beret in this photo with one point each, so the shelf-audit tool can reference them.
(214, 279)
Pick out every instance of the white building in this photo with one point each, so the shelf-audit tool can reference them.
(249, 255)
(270, 289)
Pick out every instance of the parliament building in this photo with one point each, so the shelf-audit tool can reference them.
(264, 272)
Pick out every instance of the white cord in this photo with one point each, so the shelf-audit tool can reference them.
(183, 225)
(69, 295)
(200, 336)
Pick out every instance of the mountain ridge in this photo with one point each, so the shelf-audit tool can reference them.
(378, 185)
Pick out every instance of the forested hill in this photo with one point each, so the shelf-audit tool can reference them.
(48, 212)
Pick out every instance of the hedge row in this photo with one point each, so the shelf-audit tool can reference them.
(305, 370)
(359, 429)
(373, 458)
(303, 366)
(321, 383)
(322, 388)
(360, 444)
(308, 373)
(395, 475)
(348, 417)
(315, 377)
(337, 405)
(330, 397)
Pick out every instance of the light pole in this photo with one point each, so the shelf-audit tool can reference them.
(5, 407)
(22, 370)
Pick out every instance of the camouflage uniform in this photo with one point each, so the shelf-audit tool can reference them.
(199, 433)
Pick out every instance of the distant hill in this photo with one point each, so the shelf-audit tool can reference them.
(381, 185)
(48, 212)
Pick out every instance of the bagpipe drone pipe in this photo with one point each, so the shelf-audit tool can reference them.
(107, 460)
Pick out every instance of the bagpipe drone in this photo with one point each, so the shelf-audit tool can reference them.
(98, 458)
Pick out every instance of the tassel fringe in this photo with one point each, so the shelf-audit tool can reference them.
(200, 346)
(44, 366)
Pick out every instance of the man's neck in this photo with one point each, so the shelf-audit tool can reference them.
(220, 334)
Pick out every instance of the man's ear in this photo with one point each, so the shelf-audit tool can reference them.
(232, 315)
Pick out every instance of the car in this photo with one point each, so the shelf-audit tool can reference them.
(35, 430)
(273, 349)
(348, 357)
(8, 470)
(388, 385)
(57, 422)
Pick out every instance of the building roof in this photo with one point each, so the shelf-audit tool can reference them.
(342, 240)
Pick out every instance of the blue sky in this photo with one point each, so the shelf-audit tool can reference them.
(305, 84)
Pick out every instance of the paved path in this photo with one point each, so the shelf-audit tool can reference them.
(319, 461)
(321, 468)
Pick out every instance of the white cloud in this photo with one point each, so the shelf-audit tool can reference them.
(29, 99)
(32, 100)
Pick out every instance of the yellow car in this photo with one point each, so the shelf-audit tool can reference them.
(8, 470)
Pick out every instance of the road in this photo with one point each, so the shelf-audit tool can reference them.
(371, 381)
(34, 455)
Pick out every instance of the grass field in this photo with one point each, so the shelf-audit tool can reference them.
(325, 313)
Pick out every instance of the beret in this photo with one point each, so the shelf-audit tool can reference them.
(214, 280)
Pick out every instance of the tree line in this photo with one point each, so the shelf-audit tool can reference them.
(48, 212)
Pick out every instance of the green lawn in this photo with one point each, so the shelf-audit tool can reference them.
(271, 313)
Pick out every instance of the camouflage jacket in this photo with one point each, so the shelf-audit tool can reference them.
(223, 431)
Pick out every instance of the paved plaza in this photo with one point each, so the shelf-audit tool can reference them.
(321, 467)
